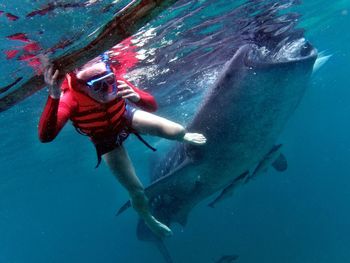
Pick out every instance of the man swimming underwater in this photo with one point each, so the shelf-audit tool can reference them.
(100, 104)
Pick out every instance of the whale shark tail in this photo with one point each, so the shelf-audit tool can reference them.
(145, 234)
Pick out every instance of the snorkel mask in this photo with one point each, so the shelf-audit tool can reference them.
(97, 84)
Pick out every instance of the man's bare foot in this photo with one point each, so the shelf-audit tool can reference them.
(158, 228)
(140, 203)
(195, 138)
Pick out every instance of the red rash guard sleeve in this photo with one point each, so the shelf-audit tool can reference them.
(55, 115)
(147, 102)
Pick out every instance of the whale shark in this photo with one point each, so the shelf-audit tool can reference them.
(242, 116)
(267, 68)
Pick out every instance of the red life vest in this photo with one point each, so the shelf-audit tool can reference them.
(102, 122)
(93, 118)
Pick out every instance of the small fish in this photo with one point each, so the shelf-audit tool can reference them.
(227, 259)
(19, 36)
(27, 53)
(36, 64)
(10, 54)
(11, 17)
(62, 44)
(25, 57)
(31, 47)
(6, 88)
(55, 5)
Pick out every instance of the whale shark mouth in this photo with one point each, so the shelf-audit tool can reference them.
(294, 50)
(284, 52)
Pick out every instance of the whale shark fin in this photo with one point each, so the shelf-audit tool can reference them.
(164, 251)
(124, 207)
(155, 186)
(181, 217)
(280, 164)
(271, 158)
(228, 190)
(320, 61)
(145, 234)
(153, 165)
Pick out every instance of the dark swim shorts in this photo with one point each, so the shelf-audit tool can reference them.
(109, 143)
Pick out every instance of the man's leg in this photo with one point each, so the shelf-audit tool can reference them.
(148, 123)
(122, 168)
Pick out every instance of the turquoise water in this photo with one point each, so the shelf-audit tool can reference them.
(55, 207)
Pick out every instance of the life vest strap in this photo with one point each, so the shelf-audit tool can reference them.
(144, 141)
(119, 142)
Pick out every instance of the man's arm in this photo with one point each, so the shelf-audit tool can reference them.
(141, 98)
(55, 115)
(57, 109)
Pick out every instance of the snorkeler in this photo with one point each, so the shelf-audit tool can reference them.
(101, 106)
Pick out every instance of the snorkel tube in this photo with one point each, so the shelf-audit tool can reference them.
(105, 59)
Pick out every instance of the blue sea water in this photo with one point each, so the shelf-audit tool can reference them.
(55, 207)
